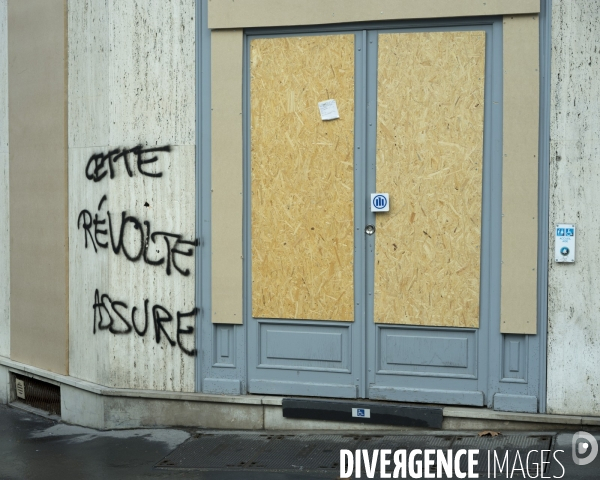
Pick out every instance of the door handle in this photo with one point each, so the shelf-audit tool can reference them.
(370, 229)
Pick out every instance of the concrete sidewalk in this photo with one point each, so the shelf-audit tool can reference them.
(32, 447)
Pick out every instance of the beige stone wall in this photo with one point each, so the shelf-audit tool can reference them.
(132, 83)
(574, 297)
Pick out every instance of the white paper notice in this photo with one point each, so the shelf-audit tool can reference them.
(328, 110)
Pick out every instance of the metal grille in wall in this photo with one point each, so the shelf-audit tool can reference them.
(38, 394)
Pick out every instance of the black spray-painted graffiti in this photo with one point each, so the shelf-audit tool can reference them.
(101, 164)
(114, 316)
(99, 229)
(135, 239)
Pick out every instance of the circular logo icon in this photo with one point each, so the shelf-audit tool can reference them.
(379, 201)
(564, 251)
(584, 448)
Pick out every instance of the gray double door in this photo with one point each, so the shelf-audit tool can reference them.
(399, 305)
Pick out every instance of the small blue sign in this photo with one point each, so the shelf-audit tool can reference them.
(564, 243)
(361, 413)
(380, 202)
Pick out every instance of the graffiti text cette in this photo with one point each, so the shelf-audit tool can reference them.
(102, 164)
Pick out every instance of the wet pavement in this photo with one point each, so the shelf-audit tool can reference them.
(33, 447)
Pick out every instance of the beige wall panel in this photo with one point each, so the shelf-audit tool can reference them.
(520, 175)
(152, 72)
(4, 193)
(148, 98)
(302, 178)
(88, 73)
(3, 76)
(4, 258)
(267, 13)
(227, 181)
(38, 183)
(429, 159)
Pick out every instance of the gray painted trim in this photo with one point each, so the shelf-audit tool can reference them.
(515, 403)
(199, 124)
(359, 340)
(488, 337)
(223, 386)
(321, 385)
(207, 368)
(275, 387)
(494, 337)
(246, 218)
(202, 174)
(544, 192)
(206, 332)
(427, 396)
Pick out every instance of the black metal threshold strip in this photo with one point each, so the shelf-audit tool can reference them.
(320, 453)
(376, 413)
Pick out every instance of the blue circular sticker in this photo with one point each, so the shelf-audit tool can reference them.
(379, 201)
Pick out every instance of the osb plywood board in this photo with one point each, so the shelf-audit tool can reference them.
(429, 159)
(518, 304)
(302, 178)
(267, 13)
(227, 176)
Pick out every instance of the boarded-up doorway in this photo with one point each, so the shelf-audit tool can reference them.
(333, 311)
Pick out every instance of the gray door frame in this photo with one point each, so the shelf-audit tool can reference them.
(221, 359)
(467, 384)
(329, 376)
(222, 363)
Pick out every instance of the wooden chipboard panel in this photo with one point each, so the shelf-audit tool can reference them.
(302, 178)
(429, 159)
(518, 303)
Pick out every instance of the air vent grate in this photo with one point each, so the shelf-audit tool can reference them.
(38, 394)
(20, 387)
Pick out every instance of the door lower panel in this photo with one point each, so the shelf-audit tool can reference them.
(300, 357)
(421, 395)
(304, 388)
(305, 347)
(425, 364)
(427, 352)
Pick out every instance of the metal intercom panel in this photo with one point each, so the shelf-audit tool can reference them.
(564, 243)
